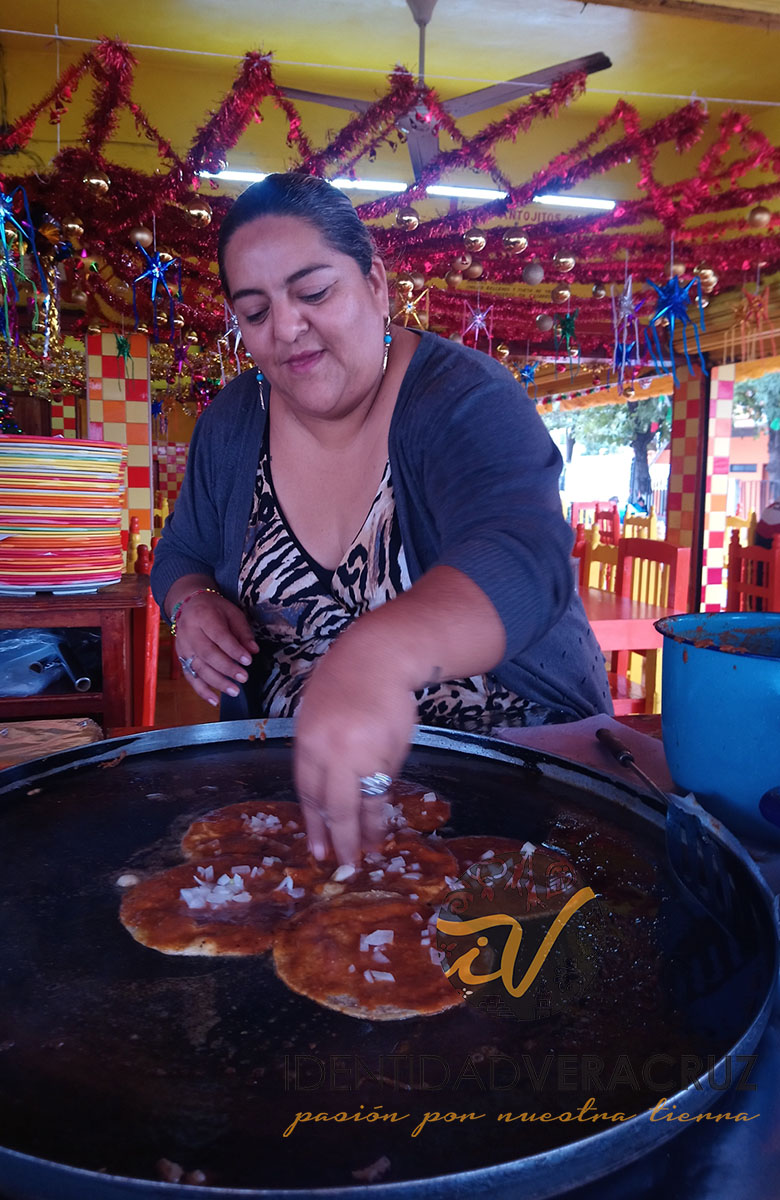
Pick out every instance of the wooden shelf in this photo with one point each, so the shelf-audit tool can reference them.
(109, 610)
(60, 704)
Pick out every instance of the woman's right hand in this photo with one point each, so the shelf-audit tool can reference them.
(215, 636)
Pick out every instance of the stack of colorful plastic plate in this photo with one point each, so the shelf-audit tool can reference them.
(60, 514)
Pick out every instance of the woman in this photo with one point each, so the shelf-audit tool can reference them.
(450, 602)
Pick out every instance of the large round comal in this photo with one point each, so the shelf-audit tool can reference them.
(721, 714)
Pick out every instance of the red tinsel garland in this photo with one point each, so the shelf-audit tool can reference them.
(641, 226)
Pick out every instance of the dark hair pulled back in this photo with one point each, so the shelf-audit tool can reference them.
(309, 198)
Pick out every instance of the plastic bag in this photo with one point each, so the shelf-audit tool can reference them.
(33, 661)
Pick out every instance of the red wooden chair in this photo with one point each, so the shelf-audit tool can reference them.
(582, 513)
(606, 518)
(753, 582)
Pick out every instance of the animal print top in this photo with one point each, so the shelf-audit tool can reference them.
(297, 608)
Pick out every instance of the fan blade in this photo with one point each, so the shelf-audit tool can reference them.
(321, 98)
(522, 85)
(423, 147)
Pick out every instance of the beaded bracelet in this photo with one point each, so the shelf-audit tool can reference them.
(178, 607)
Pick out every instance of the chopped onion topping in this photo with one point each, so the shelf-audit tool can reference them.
(380, 937)
(127, 881)
(396, 863)
(288, 885)
(269, 860)
(345, 871)
(435, 955)
(415, 915)
(379, 957)
(373, 857)
(263, 822)
(214, 895)
(375, 876)
(429, 798)
(206, 873)
(413, 896)
(383, 976)
(351, 969)
(413, 875)
(453, 884)
(256, 872)
(487, 854)
(244, 870)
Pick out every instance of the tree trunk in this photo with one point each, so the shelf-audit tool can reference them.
(641, 485)
(570, 440)
(773, 466)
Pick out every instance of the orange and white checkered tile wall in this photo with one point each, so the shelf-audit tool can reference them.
(63, 416)
(690, 424)
(118, 410)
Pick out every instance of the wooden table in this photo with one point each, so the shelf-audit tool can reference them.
(108, 610)
(623, 624)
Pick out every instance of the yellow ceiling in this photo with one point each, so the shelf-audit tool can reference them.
(188, 52)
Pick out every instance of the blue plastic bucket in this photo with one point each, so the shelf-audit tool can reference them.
(720, 714)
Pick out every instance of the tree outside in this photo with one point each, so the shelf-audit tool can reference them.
(760, 399)
(636, 423)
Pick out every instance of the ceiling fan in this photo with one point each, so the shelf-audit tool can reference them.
(421, 139)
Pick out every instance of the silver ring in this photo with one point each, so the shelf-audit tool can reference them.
(186, 665)
(376, 784)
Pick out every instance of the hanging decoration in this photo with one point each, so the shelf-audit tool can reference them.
(718, 212)
(672, 309)
(156, 271)
(625, 311)
(565, 334)
(414, 310)
(123, 354)
(14, 238)
(477, 321)
(528, 376)
(752, 319)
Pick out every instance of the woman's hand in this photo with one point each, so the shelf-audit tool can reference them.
(215, 636)
(356, 718)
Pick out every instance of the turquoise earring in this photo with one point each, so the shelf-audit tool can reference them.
(388, 339)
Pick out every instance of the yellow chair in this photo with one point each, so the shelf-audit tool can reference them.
(656, 573)
(646, 527)
(599, 562)
(598, 566)
(746, 527)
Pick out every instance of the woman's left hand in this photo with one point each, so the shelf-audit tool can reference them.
(356, 719)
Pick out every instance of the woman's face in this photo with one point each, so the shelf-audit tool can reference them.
(310, 318)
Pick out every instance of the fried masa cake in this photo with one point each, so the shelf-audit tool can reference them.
(216, 907)
(540, 878)
(255, 827)
(406, 863)
(417, 807)
(370, 955)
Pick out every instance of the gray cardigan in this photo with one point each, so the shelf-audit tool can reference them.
(475, 479)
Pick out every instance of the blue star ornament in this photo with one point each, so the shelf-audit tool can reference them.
(672, 304)
(156, 271)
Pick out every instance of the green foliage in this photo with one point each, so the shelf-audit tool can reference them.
(760, 399)
(610, 426)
